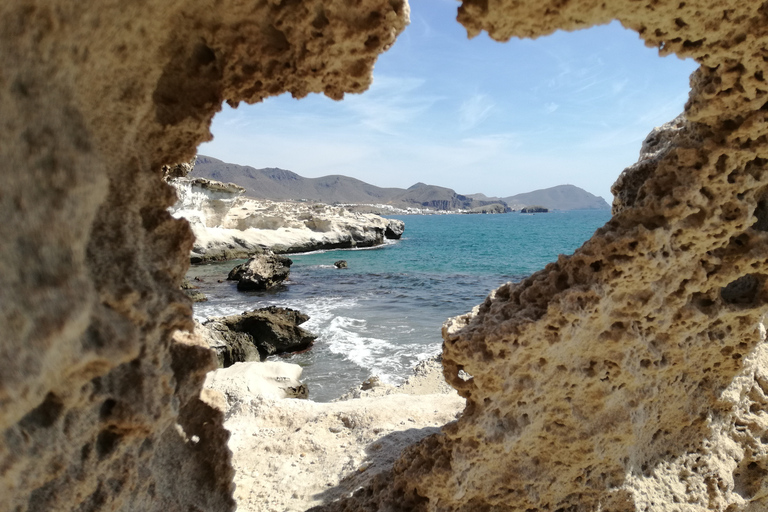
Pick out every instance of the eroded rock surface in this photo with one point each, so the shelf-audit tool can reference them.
(228, 225)
(629, 376)
(290, 455)
(272, 330)
(230, 346)
(262, 271)
(99, 404)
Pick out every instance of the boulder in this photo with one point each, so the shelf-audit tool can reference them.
(271, 379)
(192, 292)
(394, 229)
(262, 271)
(230, 346)
(340, 264)
(274, 330)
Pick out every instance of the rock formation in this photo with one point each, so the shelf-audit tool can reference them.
(293, 454)
(628, 376)
(534, 209)
(99, 404)
(192, 291)
(262, 271)
(272, 330)
(631, 375)
(394, 229)
(230, 346)
(272, 379)
(229, 226)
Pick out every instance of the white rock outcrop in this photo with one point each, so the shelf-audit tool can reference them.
(228, 225)
(270, 379)
(290, 455)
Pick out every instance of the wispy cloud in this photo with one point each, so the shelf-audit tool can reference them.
(390, 103)
(493, 141)
(475, 110)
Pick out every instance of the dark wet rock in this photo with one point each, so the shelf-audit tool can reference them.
(192, 291)
(230, 346)
(394, 229)
(272, 330)
(262, 271)
(340, 264)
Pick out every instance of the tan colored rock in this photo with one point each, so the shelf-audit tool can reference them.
(270, 379)
(99, 405)
(631, 375)
(290, 455)
(427, 379)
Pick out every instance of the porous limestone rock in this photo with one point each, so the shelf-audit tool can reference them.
(290, 455)
(178, 170)
(99, 404)
(631, 375)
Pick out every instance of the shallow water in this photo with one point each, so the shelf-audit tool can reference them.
(384, 313)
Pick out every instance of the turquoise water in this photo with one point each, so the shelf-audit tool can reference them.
(384, 313)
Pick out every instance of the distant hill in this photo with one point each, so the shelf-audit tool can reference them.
(439, 198)
(483, 197)
(561, 197)
(279, 184)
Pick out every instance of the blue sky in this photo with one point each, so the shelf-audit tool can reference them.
(473, 115)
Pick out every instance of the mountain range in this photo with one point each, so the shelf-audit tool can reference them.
(279, 184)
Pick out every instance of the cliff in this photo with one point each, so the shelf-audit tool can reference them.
(227, 225)
(628, 376)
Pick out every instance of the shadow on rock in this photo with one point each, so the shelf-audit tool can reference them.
(381, 454)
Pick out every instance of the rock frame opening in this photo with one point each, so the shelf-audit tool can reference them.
(628, 376)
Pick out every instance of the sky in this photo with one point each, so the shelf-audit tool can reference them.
(474, 115)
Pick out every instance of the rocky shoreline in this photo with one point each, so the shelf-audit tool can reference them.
(229, 226)
(290, 455)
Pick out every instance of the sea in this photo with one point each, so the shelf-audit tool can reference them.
(383, 314)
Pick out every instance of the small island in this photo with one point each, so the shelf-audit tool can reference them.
(534, 209)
